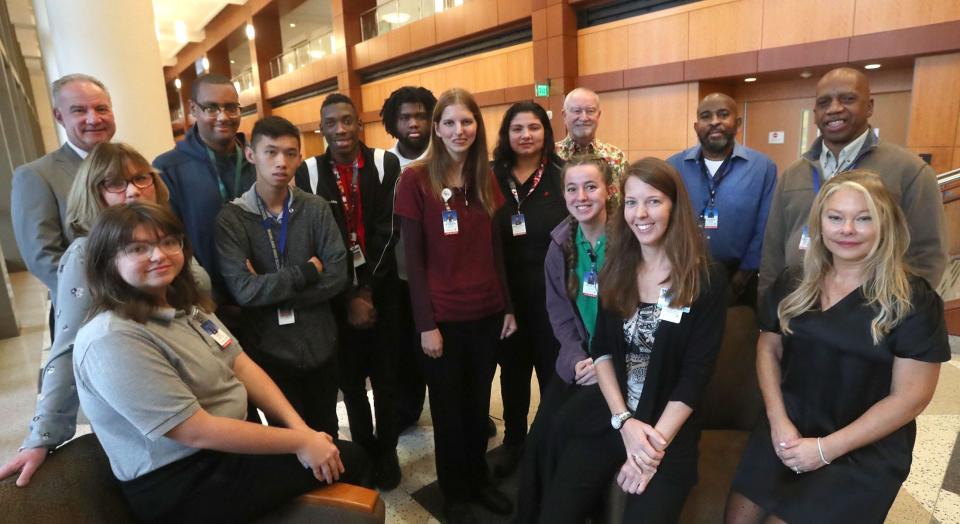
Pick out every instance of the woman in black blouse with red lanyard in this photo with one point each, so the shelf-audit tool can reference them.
(458, 295)
(528, 173)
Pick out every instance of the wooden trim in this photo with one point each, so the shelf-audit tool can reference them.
(721, 66)
(612, 81)
(824, 52)
(493, 97)
(342, 495)
(671, 73)
(922, 40)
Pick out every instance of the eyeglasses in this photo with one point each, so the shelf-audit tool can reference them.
(119, 185)
(169, 245)
(213, 110)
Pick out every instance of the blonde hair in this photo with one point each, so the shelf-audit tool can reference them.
(108, 161)
(886, 285)
(476, 168)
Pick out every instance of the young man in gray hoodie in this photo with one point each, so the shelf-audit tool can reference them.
(282, 259)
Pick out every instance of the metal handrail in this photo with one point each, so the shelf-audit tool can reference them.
(244, 79)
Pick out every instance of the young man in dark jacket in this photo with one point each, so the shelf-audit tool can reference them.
(283, 260)
(359, 184)
(206, 169)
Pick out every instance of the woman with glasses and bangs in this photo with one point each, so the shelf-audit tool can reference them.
(166, 386)
(112, 174)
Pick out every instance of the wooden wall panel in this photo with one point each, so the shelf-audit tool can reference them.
(657, 41)
(942, 158)
(510, 10)
(302, 111)
(312, 144)
(374, 135)
(935, 107)
(725, 29)
(789, 22)
(246, 125)
(614, 119)
(498, 69)
(596, 51)
(884, 15)
(891, 115)
(492, 115)
(423, 33)
(658, 117)
(762, 117)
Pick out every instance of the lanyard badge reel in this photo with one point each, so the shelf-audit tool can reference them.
(450, 224)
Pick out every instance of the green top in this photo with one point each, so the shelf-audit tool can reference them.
(588, 305)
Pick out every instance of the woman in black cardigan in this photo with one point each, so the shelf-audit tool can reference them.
(663, 306)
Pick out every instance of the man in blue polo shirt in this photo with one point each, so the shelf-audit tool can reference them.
(730, 187)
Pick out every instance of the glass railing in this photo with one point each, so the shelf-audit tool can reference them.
(244, 79)
(397, 13)
(302, 54)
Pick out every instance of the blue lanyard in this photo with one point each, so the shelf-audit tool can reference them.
(278, 247)
(713, 182)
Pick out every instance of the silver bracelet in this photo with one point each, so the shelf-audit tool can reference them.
(820, 449)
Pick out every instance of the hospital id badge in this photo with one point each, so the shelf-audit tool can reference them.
(358, 258)
(711, 218)
(519, 225)
(590, 286)
(671, 314)
(285, 316)
(450, 224)
(218, 335)
(805, 239)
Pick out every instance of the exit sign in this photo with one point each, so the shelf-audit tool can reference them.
(542, 89)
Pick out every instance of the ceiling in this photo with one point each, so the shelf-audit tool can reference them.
(194, 16)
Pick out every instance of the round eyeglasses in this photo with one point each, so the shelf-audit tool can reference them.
(169, 245)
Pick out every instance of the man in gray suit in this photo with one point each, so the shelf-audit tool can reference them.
(81, 104)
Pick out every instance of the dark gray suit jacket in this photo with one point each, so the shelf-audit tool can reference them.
(39, 210)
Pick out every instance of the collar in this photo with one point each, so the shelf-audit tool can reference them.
(83, 154)
(359, 160)
(396, 151)
(569, 143)
(848, 151)
(693, 154)
(165, 314)
(869, 143)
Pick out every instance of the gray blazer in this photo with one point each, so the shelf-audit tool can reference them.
(39, 210)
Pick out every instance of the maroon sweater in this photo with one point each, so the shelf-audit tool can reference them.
(452, 278)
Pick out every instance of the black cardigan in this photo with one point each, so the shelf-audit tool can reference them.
(681, 364)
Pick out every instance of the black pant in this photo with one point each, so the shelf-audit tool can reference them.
(372, 353)
(459, 387)
(573, 458)
(411, 385)
(312, 393)
(532, 346)
(211, 486)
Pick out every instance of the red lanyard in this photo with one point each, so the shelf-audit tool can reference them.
(536, 181)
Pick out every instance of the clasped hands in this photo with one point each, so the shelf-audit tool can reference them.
(645, 448)
(799, 454)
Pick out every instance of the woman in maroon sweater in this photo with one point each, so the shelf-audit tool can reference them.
(458, 295)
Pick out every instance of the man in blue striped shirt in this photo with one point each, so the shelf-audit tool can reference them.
(731, 187)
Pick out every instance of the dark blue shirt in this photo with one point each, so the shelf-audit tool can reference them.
(743, 197)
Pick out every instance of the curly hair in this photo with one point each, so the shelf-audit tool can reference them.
(405, 95)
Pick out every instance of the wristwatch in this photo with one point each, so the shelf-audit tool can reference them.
(619, 419)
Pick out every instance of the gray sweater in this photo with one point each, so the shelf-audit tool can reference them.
(910, 181)
(311, 340)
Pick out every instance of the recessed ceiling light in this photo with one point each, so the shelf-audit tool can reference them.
(293, 25)
(872, 66)
(250, 31)
(806, 74)
(177, 83)
(233, 61)
(750, 79)
(317, 131)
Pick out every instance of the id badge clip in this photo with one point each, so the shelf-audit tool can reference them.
(285, 317)
(805, 239)
(667, 313)
(518, 224)
(219, 336)
(711, 218)
(590, 286)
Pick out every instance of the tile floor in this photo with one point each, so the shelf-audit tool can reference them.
(930, 495)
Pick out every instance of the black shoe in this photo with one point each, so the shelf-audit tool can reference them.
(505, 459)
(388, 471)
(491, 428)
(494, 500)
(458, 513)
